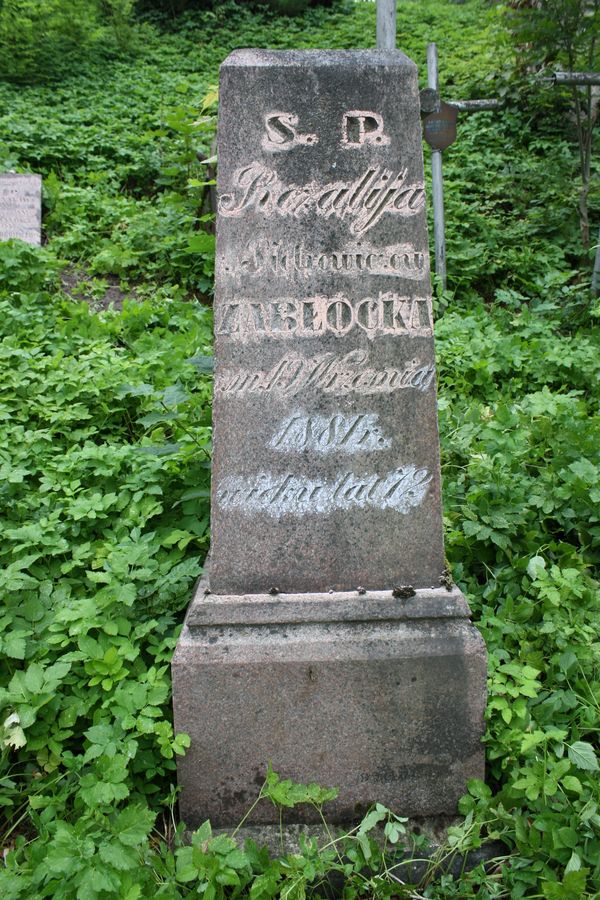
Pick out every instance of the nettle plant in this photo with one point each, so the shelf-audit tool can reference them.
(105, 524)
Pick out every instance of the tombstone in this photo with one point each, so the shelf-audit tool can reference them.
(21, 207)
(325, 637)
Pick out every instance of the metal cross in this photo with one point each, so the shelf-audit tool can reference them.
(439, 125)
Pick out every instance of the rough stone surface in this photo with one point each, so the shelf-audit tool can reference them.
(21, 207)
(323, 641)
(387, 707)
(325, 404)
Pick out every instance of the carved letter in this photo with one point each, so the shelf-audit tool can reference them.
(360, 127)
(281, 132)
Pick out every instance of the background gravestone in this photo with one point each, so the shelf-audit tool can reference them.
(21, 207)
(325, 641)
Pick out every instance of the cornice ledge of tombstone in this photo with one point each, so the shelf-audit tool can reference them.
(361, 605)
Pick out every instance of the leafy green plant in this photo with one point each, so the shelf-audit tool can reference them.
(565, 33)
(37, 35)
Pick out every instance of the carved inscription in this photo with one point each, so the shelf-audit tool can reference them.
(281, 132)
(363, 201)
(401, 489)
(245, 320)
(20, 208)
(360, 127)
(296, 375)
(358, 202)
(326, 434)
(295, 261)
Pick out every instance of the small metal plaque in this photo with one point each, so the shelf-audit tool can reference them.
(439, 128)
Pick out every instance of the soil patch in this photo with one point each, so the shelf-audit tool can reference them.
(101, 293)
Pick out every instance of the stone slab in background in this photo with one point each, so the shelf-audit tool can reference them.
(21, 207)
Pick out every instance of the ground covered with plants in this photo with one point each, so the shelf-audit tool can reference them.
(105, 463)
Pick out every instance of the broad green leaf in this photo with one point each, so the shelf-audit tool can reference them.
(133, 824)
(117, 855)
(583, 756)
(479, 789)
(34, 678)
(201, 243)
(535, 567)
(14, 645)
(202, 834)
(571, 783)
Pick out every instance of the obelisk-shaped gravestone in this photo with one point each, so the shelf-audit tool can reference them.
(325, 639)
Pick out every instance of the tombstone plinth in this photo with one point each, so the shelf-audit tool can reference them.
(324, 639)
(21, 207)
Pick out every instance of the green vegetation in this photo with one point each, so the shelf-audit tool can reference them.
(104, 454)
(564, 34)
(40, 38)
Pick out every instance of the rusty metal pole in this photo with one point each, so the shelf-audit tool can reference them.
(437, 181)
(386, 24)
(596, 274)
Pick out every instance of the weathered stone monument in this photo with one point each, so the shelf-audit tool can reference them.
(326, 638)
(21, 207)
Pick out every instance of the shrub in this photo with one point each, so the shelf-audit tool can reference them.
(41, 38)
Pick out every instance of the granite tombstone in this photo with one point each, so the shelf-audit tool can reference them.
(325, 638)
(21, 207)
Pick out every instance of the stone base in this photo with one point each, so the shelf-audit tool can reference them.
(382, 697)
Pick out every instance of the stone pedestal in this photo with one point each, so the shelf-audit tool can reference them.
(328, 644)
(380, 696)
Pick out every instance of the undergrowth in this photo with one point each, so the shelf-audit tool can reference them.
(105, 454)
